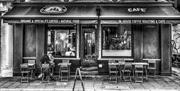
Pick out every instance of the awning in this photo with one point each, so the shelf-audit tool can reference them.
(33, 12)
(139, 12)
(139, 15)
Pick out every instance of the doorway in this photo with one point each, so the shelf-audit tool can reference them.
(88, 49)
(89, 40)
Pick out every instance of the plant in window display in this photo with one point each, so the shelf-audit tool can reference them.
(117, 40)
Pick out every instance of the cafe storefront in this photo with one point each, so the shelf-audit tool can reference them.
(111, 31)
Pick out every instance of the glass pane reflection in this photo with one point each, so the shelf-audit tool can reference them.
(62, 42)
(117, 40)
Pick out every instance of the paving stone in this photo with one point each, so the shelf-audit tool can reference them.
(171, 83)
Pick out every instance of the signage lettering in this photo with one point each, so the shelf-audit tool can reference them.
(134, 22)
(142, 21)
(44, 21)
(60, 21)
(131, 10)
(53, 10)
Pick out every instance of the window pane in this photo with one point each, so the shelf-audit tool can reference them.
(62, 42)
(117, 40)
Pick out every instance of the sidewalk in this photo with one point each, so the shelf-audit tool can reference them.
(176, 71)
(167, 83)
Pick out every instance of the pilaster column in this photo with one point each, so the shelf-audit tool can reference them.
(6, 50)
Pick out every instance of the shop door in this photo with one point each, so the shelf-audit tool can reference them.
(89, 61)
(89, 41)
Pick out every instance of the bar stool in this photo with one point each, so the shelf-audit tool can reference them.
(45, 69)
(64, 70)
(24, 72)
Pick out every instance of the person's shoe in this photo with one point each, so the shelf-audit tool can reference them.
(40, 75)
(53, 79)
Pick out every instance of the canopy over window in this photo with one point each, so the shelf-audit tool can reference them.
(73, 12)
(139, 12)
(92, 12)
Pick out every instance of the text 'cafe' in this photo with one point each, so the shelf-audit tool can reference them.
(111, 31)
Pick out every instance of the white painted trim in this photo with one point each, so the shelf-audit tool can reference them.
(68, 58)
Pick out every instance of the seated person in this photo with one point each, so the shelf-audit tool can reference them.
(49, 59)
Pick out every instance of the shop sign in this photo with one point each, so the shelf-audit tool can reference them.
(134, 22)
(137, 10)
(142, 21)
(53, 10)
(59, 21)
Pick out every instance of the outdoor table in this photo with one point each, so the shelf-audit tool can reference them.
(64, 64)
(115, 64)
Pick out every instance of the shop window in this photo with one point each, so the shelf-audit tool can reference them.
(117, 41)
(62, 42)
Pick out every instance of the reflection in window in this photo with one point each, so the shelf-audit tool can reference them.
(89, 40)
(62, 42)
(117, 40)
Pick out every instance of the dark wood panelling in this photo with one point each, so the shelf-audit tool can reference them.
(151, 42)
(177, 4)
(104, 69)
(18, 46)
(40, 42)
(138, 40)
(97, 37)
(29, 41)
(165, 49)
(81, 42)
(74, 65)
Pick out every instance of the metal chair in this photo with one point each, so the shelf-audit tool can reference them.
(127, 71)
(113, 71)
(121, 67)
(152, 67)
(31, 64)
(24, 72)
(138, 70)
(64, 70)
(45, 69)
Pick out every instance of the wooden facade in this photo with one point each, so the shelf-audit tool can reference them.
(149, 41)
(30, 42)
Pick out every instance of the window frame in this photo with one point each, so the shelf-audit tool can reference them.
(132, 42)
(55, 27)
